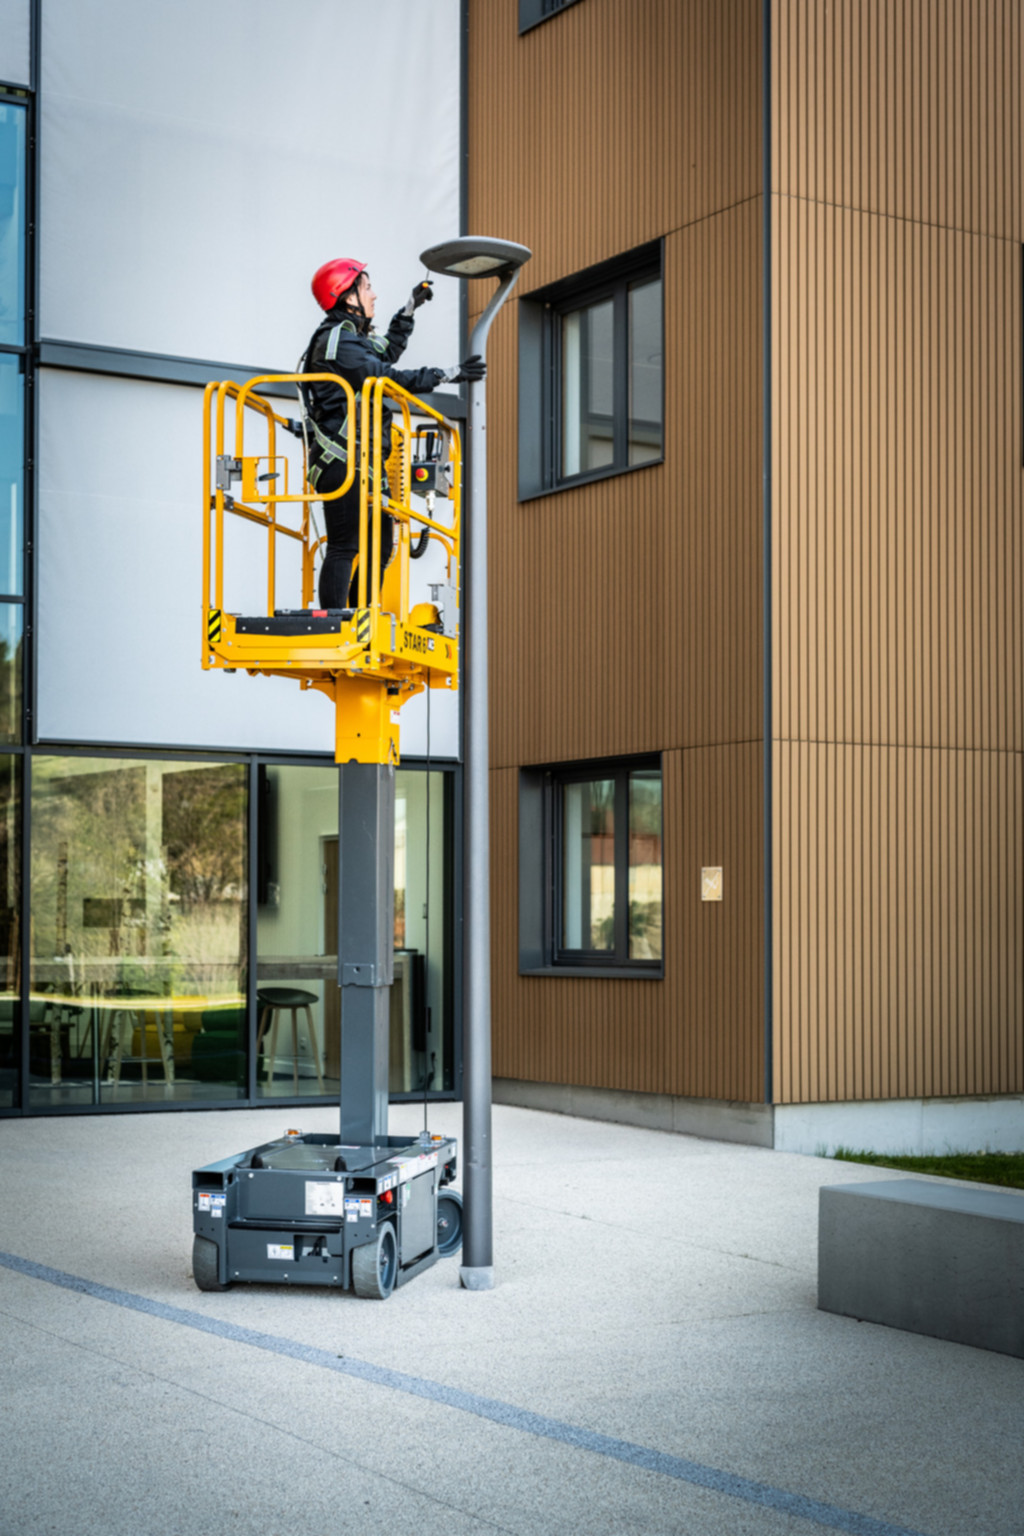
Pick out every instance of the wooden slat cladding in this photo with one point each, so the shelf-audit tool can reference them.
(898, 597)
(897, 550)
(611, 124)
(698, 1032)
(634, 604)
(905, 107)
(899, 912)
(626, 616)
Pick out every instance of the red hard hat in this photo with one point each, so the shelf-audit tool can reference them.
(335, 278)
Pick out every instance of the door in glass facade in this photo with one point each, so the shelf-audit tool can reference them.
(298, 998)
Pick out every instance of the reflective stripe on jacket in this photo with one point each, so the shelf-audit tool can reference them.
(339, 346)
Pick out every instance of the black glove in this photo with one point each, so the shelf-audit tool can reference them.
(420, 294)
(470, 371)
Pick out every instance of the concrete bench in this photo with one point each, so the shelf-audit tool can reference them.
(941, 1259)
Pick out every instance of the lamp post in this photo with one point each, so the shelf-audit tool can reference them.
(477, 257)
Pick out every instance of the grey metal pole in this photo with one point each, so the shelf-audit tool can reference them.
(477, 1271)
(366, 939)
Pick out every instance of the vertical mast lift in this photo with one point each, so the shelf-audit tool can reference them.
(363, 1210)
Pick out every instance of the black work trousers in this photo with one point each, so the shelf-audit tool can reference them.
(337, 587)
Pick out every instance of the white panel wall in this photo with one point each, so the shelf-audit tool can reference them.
(201, 159)
(120, 586)
(14, 42)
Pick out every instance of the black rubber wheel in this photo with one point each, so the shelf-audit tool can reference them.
(449, 1222)
(204, 1265)
(375, 1265)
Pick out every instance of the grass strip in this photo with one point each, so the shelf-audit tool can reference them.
(1005, 1168)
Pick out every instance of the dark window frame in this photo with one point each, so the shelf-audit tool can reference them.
(541, 314)
(533, 12)
(541, 876)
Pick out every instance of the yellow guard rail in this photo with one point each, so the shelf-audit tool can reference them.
(371, 659)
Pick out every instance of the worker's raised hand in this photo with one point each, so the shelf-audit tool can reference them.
(420, 294)
(470, 371)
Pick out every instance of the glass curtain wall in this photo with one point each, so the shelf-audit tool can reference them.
(139, 930)
(13, 179)
(13, 362)
(298, 998)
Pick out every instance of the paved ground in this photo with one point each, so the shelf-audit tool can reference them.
(652, 1360)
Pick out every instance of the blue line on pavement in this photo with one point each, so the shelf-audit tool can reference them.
(677, 1467)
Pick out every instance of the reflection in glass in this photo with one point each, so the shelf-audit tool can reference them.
(588, 870)
(587, 389)
(645, 364)
(422, 1042)
(11, 620)
(10, 908)
(139, 903)
(12, 453)
(297, 925)
(645, 864)
(12, 224)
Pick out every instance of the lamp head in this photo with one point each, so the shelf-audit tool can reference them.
(475, 256)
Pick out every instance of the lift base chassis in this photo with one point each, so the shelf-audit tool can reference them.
(294, 1211)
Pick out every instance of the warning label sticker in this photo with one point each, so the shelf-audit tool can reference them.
(323, 1199)
(356, 1206)
(280, 1251)
(416, 1165)
(212, 1204)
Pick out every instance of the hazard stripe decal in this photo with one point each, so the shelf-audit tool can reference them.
(363, 626)
(213, 626)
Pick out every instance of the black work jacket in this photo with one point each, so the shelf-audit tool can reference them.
(355, 355)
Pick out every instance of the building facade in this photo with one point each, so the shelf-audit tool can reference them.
(171, 178)
(787, 592)
(757, 443)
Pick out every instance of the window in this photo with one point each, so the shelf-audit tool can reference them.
(533, 12)
(13, 125)
(138, 931)
(591, 375)
(591, 868)
(13, 234)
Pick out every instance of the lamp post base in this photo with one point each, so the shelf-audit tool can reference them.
(479, 1279)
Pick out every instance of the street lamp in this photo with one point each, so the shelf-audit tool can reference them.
(473, 256)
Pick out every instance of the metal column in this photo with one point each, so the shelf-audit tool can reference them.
(366, 921)
(477, 1271)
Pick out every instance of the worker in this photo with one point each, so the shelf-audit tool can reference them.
(345, 344)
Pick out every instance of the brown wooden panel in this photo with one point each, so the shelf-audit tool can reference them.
(898, 494)
(627, 614)
(696, 1033)
(610, 124)
(899, 922)
(906, 107)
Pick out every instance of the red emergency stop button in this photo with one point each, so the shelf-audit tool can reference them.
(422, 474)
